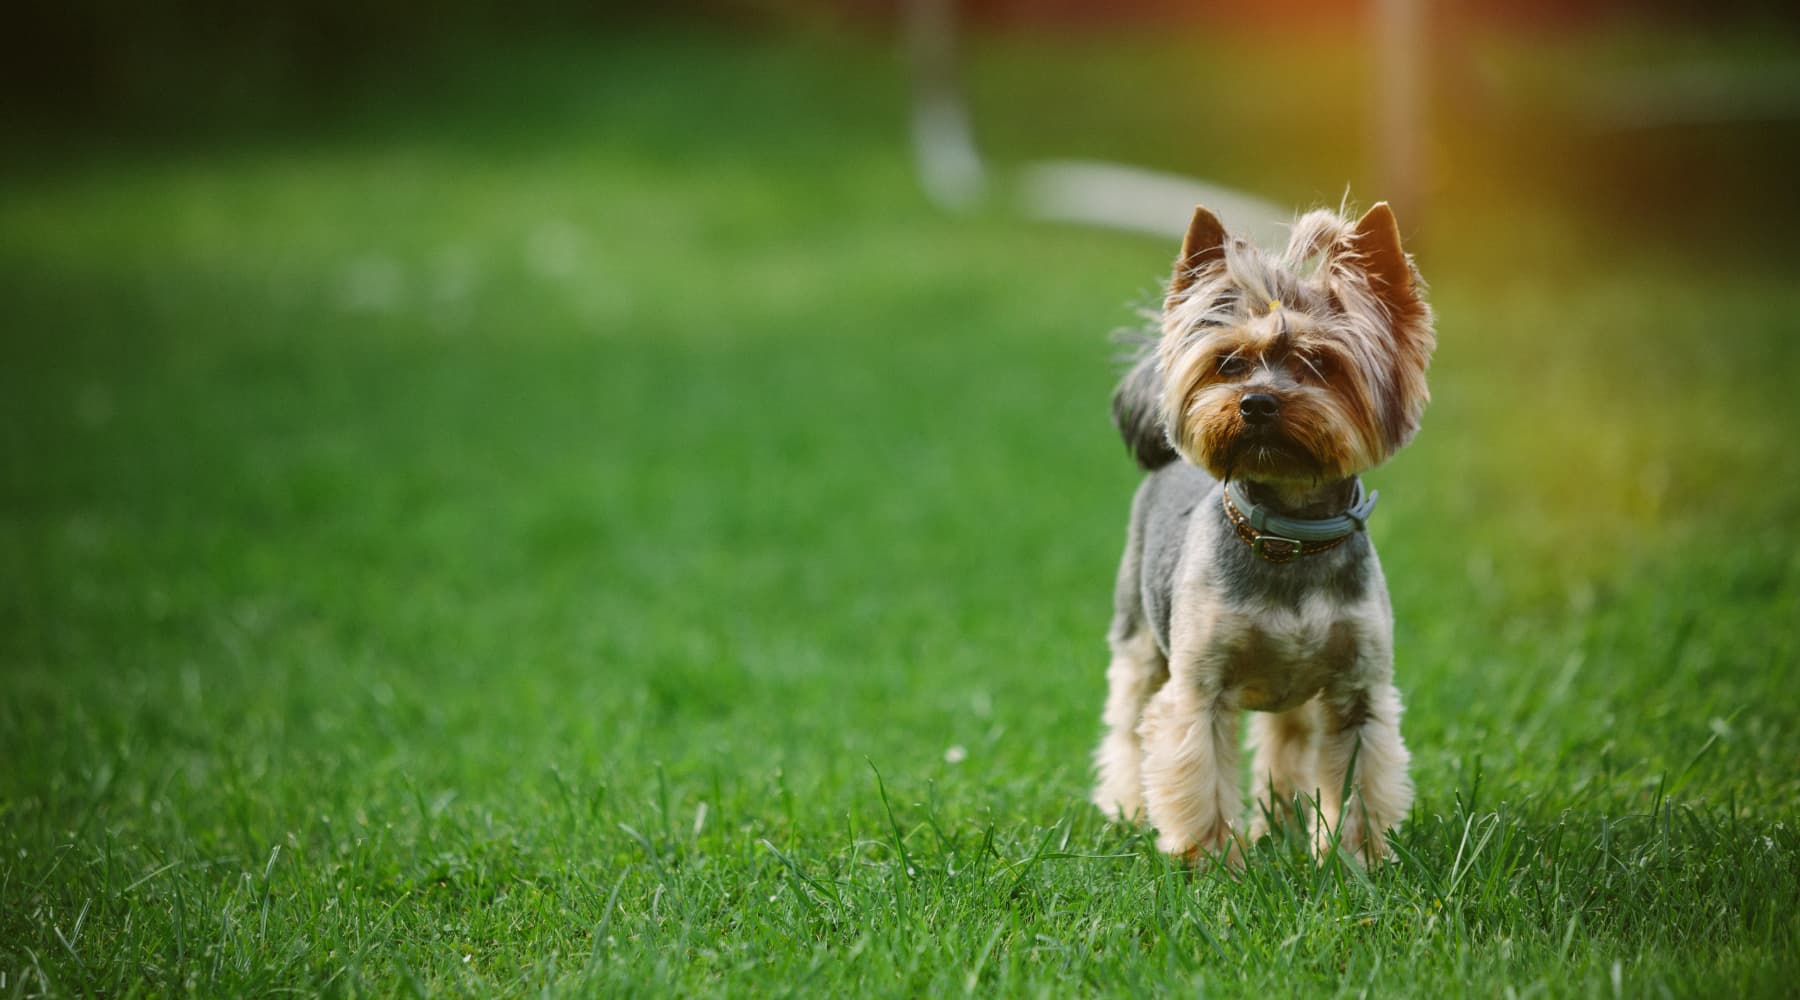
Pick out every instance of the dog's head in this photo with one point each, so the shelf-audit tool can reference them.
(1303, 367)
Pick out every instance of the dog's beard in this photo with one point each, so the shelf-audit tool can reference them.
(1317, 437)
(1269, 453)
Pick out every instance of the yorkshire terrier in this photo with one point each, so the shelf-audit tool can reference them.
(1248, 581)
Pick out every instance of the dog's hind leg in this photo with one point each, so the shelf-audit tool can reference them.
(1136, 672)
(1138, 669)
(1281, 773)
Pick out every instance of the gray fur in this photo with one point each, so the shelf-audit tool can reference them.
(1137, 411)
(1157, 540)
(1170, 496)
(1340, 574)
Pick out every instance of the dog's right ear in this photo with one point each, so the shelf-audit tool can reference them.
(1203, 245)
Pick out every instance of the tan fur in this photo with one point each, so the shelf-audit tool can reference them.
(1352, 295)
(1137, 672)
(1336, 329)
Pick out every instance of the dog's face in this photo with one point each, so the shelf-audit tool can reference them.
(1305, 368)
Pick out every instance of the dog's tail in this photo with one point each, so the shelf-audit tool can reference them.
(1137, 407)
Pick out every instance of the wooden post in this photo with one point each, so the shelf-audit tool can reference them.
(950, 167)
(1399, 53)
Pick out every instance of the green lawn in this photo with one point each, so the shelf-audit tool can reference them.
(576, 521)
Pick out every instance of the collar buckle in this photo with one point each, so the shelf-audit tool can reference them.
(1276, 549)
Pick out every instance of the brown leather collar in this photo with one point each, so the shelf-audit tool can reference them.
(1275, 548)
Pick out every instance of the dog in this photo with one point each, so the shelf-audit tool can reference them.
(1248, 581)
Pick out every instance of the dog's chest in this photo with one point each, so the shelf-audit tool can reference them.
(1273, 661)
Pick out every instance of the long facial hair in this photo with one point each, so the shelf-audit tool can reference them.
(1334, 328)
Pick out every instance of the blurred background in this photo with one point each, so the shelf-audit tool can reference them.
(464, 413)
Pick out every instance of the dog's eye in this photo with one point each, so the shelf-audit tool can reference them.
(1234, 366)
(1318, 368)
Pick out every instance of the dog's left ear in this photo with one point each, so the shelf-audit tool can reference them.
(1377, 263)
(1390, 274)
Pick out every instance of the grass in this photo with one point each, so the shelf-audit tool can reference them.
(568, 525)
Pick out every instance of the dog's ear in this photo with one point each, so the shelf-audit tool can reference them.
(1373, 261)
(1203, 245)
(1376, 242)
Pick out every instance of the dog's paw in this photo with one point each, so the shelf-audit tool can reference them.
(1221, 848)
(1353, 841)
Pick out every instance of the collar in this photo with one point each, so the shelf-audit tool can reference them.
(1279, 539)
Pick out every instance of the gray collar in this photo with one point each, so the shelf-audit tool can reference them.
(1325, 529)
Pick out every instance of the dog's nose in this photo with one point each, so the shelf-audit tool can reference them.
(1258, 408)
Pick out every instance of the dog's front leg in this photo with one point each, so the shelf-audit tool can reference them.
(1191, 767)
(1362, 751)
